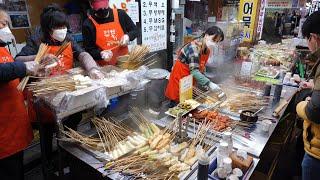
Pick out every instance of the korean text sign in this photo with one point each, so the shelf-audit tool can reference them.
(154, 24)
(247, 14)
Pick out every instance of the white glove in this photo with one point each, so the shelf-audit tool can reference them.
(49, 61)
(31, 67)
(96, 74)
(106, 55)
(213, 87)
(124, 40)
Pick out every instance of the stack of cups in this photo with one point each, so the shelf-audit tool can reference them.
(222, 153)
(227, 164)
(227, 137)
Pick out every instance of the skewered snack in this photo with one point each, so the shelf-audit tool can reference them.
(244, 101)
(162, 159)
(43, 50)
(220, 122)
(136, 58)
(205, 97)
(59, 84)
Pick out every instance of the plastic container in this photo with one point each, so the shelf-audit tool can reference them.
(213, 166)
(227, 137)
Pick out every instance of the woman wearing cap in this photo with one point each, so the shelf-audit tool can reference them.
(15, 128)
(107, 32)
(309, 110)
(192, 59)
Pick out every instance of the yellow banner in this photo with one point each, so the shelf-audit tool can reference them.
(247, 14)
(185, 88)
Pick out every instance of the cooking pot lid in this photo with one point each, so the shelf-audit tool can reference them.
(157, 74)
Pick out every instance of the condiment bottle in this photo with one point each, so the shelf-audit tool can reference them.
(203, 166)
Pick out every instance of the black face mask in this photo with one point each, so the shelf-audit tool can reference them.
(102, 13)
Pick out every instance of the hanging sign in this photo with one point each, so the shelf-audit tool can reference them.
(246, 69)
(261, 18)
(154, 24)
(185, 88)
(247, 14)
(279, 4)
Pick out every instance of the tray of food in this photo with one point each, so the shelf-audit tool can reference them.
(164, 155)
(269, 72)
(238, 102)
(183, 108)
(220, 122)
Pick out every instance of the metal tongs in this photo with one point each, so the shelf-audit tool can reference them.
(222, 97)
(183, 129)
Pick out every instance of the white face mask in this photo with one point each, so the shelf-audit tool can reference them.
(213, 46)
(59, 34)
(6, 34)
(209, 42)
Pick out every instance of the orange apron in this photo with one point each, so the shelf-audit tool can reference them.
(15, 129)
(109, 32)
(179, 71)
(66, 63)
(66, 60)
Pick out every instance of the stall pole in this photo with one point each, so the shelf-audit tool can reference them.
(169, 62)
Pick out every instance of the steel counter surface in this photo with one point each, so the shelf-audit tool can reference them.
(260, 139)
(255, 147)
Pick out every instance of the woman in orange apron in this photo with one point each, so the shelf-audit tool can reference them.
(54, 32)
(15, 128)
(192, 59)
(107, 32)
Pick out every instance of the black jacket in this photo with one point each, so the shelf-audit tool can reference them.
(11, 71)
(89, 31)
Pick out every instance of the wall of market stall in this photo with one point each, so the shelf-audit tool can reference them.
(34, 9)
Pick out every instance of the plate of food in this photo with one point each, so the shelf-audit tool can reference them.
(183, 108)
(269, 72)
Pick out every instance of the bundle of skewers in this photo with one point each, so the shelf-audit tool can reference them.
(151, 153)
(245, 101)
(164, 159)
(44, 63)
(118, 139)
(59, 84)
(204, 97)
(137, 58)
(52, 85)
(89, 141)
(115, 139)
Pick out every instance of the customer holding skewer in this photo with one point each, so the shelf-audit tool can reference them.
(192, 59)
(15, 129)
(309, 110)
(107, 32)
